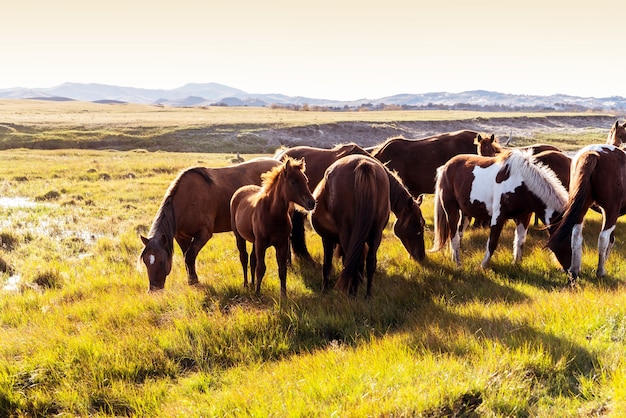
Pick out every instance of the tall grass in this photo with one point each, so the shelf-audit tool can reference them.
(82, 336)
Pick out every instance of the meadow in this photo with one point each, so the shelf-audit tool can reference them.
(81, 336)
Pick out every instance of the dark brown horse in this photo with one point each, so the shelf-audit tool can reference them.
(317, 161)
(196, 205)
(511, 186)
(617, 134)
(261, 215)
(355, 198)
(490, 147)
(598, 177)
(416, 160)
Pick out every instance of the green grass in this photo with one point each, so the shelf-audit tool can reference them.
(83, 337)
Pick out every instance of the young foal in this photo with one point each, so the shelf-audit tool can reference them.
(512, 186)
(261, 215)
(598, 177)
(354, 202)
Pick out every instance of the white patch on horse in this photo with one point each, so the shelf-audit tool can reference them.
(592, 148)
(486, 190)
(518, 242)
(151, 259)
(577, 249)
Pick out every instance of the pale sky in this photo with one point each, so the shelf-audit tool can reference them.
(332, 49)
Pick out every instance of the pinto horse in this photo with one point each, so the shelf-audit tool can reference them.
(617, 134)
(195, 206)
(354, 200)
(416, 160)
(261, 215)
(511, 186)
(598, 177)
(317, 161)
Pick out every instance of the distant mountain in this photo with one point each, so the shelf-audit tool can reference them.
(209, 94)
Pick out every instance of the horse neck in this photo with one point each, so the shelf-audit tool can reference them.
(273, 196)
(165, 220)
(398, 195)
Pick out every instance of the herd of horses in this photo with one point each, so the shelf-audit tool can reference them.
(348, 192)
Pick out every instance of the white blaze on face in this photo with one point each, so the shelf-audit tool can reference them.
(151, 259)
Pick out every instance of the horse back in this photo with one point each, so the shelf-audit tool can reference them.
(317, 160)
(416, 161)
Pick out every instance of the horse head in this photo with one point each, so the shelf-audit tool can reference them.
(617, 134)
(297, 188)
(157, 256)
(409, 227)
(487, 147)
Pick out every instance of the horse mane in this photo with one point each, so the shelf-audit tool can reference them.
(399, 196)
(539, 178)
(377, 150)
(269, 179)
(165, 219)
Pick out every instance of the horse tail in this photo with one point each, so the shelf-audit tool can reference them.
(579, 198)
(442, 227)
(364, 211)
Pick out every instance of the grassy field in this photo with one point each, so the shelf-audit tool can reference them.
(81, 336)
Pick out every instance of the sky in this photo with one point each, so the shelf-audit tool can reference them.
(337, 49)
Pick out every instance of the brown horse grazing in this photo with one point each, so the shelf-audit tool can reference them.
(317, 161)
(511, 186)
(354, 202)
(196, 205)
(261, 215)
(598, 177)
(489, 147)
(416, 161)
(617, 134)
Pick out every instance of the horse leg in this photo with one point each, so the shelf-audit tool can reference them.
(577, 251)
(298, 241)
(521, 231)
(260, 265)
(252, 265)
(329, 248)
(191, 253)
(492, 242)
(370, 264)
(243, 257)
(282, 252)
(605, 243)
(456, 221)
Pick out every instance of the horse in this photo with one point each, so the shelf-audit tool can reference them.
(416, 160)
(489, 146)
(317, 161)
(598, 177)
(195, 206)
(617, 134)
(261, 215)
(510, 186)
(354, 200)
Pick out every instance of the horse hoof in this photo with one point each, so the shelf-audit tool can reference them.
(193, 282)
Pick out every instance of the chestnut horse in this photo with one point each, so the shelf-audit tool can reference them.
(489, 146)
(598, 177)
(511, 186)
(416, 160)
(261, 215)
(354, 200)
(317, 161)
(617, 134)
(195, 206)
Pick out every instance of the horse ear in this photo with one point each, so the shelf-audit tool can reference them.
(493, 138)
(616, 124)
(477, 139)
(419, 199)
(144, 240)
